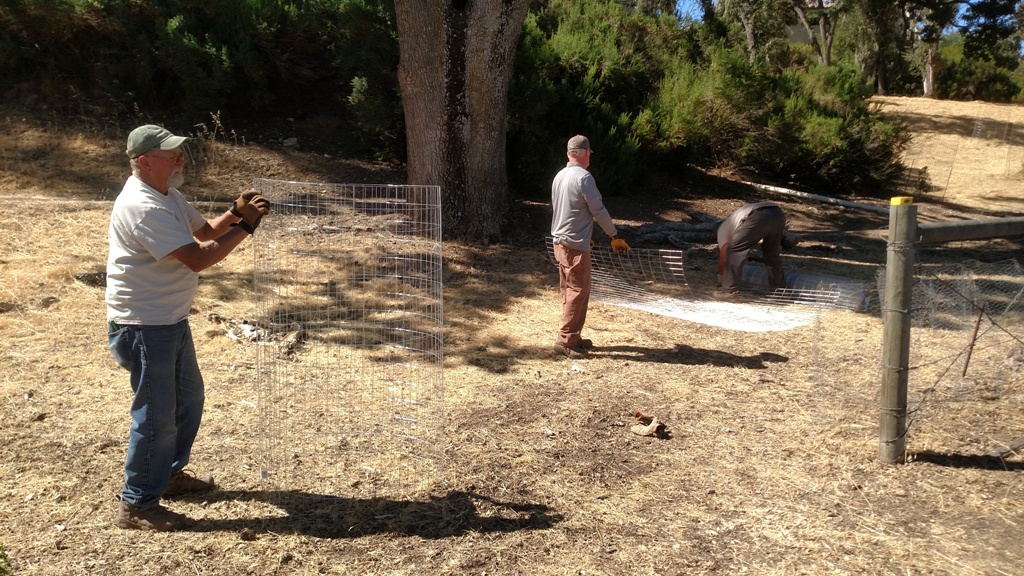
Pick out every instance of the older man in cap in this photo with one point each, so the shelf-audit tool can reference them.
(158, 245)
(576, 204)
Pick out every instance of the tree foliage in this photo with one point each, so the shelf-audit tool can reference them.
(962, 78)
(991, 31)
(651, 94)
(191, 57)
(732, 89)
(586, 66)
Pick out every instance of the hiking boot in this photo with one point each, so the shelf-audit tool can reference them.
(157, 518)
(586, 344)
(569, 351)
(188, 483)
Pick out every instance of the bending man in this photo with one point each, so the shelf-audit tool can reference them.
(762, 222)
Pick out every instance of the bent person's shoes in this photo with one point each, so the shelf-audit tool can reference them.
(569, 351)
(157, 519)
(188, 483)
(730, 296)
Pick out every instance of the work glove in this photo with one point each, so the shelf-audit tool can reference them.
(619, 245)
(255, 210)
(238, 206)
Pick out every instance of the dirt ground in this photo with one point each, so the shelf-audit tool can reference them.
(770, 465)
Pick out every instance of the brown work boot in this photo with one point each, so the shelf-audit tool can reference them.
(569, 351)
(188, 483)
(157, 518)
(586, 344)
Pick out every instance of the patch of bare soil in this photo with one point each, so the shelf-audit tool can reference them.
(770, 461)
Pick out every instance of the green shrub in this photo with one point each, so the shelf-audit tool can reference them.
(813, 128)
(5, 563)
(369, 66)
(590, 67)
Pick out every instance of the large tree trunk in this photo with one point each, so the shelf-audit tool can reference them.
(454, 68)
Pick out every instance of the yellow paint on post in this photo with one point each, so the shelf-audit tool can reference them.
(901, 200)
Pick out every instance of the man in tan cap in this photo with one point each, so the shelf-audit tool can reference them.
(158, 245)
(576, 204)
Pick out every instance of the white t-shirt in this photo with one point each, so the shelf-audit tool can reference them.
(145, 285)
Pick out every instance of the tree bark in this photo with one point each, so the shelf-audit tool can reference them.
(747, 19)
(821, 39)
(930, 58)
(455, 62)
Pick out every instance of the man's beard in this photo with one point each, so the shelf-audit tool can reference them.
(176, 180)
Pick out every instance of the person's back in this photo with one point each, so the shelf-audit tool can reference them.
(728, 226)
(748, 225)
(575, 205)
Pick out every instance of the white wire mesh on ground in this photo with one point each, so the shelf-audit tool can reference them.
(348, 293)
(654, 280)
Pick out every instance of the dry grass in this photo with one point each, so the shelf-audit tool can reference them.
(770, 469)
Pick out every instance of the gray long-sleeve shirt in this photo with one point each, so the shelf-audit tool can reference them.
(576, 204)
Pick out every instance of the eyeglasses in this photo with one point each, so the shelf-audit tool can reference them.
(178, 159)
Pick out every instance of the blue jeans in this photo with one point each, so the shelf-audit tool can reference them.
(166, 409)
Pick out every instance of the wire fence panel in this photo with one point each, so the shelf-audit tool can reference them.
(966, 349)
(966, 344)
(348, 290)
(654, 280)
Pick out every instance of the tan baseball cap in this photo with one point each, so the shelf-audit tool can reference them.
(149, 137)
(578, 142)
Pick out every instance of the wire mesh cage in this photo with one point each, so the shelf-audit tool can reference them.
(349, 303)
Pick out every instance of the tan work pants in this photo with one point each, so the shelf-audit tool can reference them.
(574, 283)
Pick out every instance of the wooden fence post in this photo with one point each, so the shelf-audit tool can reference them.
(899, 275)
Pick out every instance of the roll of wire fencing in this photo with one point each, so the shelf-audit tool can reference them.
(348, 291)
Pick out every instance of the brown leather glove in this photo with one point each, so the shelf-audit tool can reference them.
(255, 210)
(238, 206)
(619, 245)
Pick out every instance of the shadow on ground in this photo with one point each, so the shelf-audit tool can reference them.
(323, 516)
(979, 461)
(684, 354)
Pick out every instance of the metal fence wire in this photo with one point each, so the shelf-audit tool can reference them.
(348, 291)
(966, 342)
(654, 281)
(966, 339)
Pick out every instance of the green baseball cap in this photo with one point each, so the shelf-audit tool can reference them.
(146, 138)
